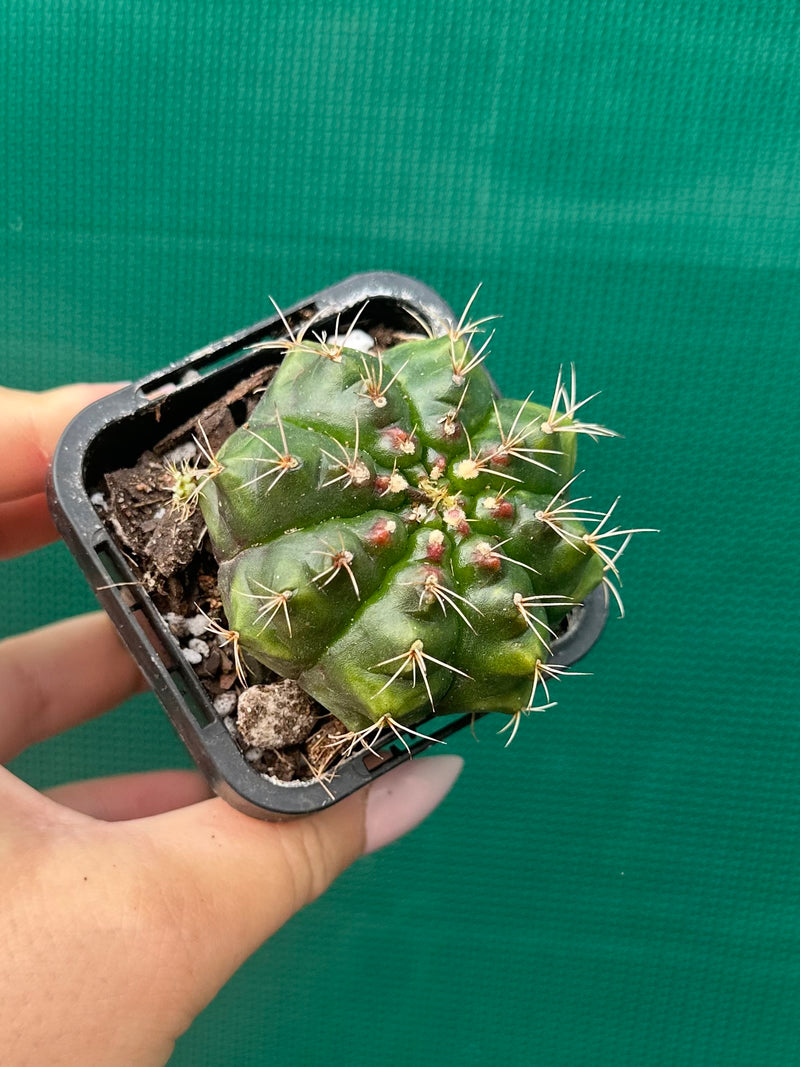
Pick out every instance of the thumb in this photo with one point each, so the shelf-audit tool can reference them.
(238, 879)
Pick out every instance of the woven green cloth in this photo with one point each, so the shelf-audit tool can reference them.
(620, 886)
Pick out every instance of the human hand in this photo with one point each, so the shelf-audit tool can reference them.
(127, 902)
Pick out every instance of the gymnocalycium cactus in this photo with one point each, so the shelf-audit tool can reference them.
(399, 539)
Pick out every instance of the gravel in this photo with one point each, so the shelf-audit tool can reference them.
(274, 716)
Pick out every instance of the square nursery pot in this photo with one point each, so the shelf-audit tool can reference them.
(153, 415)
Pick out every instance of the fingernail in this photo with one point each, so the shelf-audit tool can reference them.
(404, 797)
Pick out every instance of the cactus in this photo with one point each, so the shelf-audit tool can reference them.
(399, 539)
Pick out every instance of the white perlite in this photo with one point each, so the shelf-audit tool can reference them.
(186, 451)
(193, 626)
(225, 704)
(176, 623)
(357, 340)
(196, 625)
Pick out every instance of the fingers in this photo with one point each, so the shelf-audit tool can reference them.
(246, 877)
(30, 425)
(20, 807)
(254, 874)
(59, 676)
(132, 796)
(182, 898)
(25, 524)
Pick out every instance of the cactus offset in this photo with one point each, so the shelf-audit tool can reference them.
(400, 540)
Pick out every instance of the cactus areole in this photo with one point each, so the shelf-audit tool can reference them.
(399, 539)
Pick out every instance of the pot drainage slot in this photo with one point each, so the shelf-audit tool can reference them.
(117, 577)
(207, 361)
(189, 371)
(189, 697)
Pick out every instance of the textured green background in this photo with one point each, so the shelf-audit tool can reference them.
(622, 885)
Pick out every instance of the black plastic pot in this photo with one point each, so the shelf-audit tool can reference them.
(115, 431)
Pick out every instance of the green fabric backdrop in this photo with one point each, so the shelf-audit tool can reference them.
(620, 886)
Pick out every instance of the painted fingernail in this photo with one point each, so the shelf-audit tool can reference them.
(404, 797)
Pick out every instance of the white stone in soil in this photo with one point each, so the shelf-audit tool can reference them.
(176, 623)
(198, 645)
(191, 656)
(196, 625)
(179, 453)
(225, 704)
(358, 340)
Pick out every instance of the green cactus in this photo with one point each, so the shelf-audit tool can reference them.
(399, 539)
